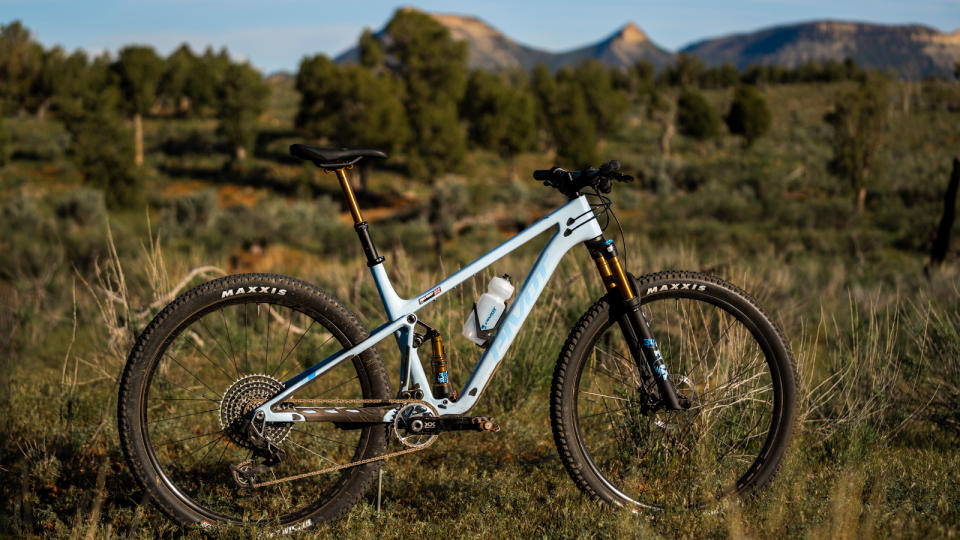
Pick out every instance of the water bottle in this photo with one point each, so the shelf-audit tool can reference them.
(488, 310)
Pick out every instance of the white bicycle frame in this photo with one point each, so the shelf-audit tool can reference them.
(574, 222)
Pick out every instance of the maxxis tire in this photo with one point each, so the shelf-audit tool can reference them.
(207, 298)
(652, 287)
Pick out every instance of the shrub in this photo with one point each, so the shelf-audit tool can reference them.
(695, 117)
(748, 115)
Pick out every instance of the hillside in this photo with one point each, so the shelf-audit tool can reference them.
(914, 51)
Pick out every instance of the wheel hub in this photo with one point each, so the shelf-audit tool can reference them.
(240, 400)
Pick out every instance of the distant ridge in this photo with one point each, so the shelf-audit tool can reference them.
(914, 51)
(491, 49)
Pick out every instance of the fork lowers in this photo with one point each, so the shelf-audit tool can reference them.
(633, 323)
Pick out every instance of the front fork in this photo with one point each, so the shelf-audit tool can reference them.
(633, 323)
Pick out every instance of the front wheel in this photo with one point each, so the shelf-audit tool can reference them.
(724, 355)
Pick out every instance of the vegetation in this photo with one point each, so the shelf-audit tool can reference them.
(859, 122)
(696, 118)
(748, 115)
(83, 268)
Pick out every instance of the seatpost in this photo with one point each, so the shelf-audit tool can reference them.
(359, 225)
(348, 193)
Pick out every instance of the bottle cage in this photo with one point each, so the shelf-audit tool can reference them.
(487, 335)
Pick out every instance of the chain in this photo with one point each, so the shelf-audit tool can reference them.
(333, 468)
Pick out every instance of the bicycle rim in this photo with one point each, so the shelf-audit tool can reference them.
(660, 459)
(205, 378)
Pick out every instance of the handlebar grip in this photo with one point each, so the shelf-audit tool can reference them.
(543, 174)
(611, 166)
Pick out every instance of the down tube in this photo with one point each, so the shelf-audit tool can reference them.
(539, 275)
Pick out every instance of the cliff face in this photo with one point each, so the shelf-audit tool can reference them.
(914, 51)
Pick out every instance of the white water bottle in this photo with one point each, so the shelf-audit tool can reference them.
(489, 308)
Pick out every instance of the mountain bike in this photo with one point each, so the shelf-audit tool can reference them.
(261, 399)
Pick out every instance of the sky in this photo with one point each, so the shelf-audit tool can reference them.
(274, 35)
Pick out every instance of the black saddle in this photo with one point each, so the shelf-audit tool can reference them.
(334, 158)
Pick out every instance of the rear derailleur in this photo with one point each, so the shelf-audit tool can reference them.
(247, 473)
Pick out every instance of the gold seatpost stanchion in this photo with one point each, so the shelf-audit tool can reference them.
(348, 193)
(359, 225)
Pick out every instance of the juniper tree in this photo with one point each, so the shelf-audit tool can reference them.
(322, 91)
(749, 115)
(696, 118)
(433, 68)
(241, 97)
(501, 114)
(858, 119)
(21, 60)
(138, 70)
(180, 67)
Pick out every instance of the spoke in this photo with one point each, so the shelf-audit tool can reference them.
(295, 345)
(180, 416)
(603, 395)
(315, 436)
(336, 385)
(285, 337)
(209, 446)
(219, 346)
(266, 345)
(212, 363)
(608, 411)
(245, 319)
(233, 352)
(194, 376)
(185, 399)
(286, 503)
(315, 349)
(312, 452)
(193, 437)
(185, 389)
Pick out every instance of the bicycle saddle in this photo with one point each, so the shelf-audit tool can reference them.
(334, 158)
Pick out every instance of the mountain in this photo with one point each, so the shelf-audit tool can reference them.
(488, 47)
(491, 49)
(914, 51)
(624, 48)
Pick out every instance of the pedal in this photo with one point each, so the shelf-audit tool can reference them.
(482, 423)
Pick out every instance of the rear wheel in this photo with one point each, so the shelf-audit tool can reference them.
(198, 370)
(724, 355)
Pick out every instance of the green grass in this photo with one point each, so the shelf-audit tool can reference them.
(876, 340)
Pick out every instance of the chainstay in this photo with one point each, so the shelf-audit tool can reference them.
(334, 468)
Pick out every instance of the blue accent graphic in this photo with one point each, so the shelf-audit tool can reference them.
(649, 343)
(442, 377)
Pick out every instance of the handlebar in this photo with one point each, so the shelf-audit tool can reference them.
(570, 183)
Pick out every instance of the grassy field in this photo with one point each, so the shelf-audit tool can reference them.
(876, 336)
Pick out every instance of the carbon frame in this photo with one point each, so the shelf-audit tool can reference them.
(574, 222)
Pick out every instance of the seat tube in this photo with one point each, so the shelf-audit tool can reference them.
(633, 322)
